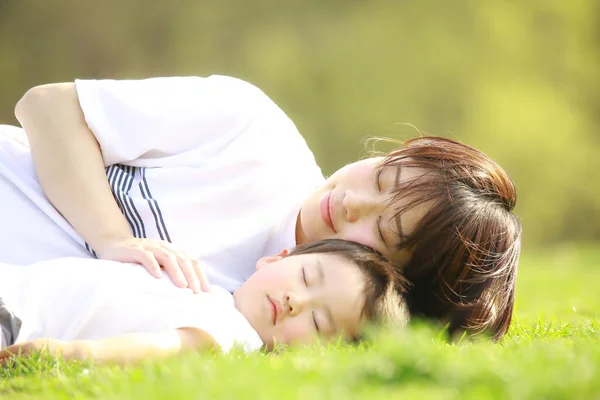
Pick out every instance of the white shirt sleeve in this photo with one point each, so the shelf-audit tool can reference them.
(215, 314)
(170, 121)
(231, 330)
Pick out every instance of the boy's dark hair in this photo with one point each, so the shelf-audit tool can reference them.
(384, 287)
(465, 250)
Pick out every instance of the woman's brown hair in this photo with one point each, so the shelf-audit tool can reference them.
(465, 250)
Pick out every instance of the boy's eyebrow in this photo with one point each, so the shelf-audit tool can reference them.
(321, 274)
(330, 318)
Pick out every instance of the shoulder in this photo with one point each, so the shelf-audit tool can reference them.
(234, 84)
(197, 339)
(217, 316)
(192, 88)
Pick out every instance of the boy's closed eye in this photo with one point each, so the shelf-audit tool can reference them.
(305, 280)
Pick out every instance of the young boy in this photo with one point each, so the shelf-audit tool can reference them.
(114, 312)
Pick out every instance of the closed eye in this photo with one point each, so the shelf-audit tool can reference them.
(379, 232)
(377, 180)
(304, 277)
(378, 225)
(315, 322)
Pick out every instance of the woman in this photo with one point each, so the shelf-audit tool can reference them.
(211, 167)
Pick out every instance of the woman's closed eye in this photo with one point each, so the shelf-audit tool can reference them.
(377, 179)
(379, 231)
(378, 222)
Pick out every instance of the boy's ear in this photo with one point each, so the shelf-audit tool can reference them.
(284, 253)
(266, 260)
(271, 259)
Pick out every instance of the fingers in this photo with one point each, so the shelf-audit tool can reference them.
(200, 274)
(4, 355)
(8, 355)
(183, 270)
(188, 270)
(191, 271)
(168, 260)
(148, 260)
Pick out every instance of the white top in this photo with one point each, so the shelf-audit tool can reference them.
(73, 298)
(234, 171)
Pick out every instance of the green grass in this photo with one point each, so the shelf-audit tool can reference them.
(551, 352)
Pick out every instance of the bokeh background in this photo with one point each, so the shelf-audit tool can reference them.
(518, 80)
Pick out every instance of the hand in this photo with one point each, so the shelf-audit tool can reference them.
(183, 270)
(24, 349)
(21, 349)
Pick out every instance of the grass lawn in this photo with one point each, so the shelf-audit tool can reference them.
(551, 352)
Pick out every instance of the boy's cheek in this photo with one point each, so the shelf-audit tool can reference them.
(294, 332)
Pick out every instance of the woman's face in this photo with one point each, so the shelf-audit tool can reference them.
(353, 205)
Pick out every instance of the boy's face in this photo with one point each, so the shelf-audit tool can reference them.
(292, 299)
(353, 205)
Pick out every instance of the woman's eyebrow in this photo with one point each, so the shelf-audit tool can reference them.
(397, 217)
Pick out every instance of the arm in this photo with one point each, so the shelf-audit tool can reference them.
(70, 168)
(125, 349)
(60, 140)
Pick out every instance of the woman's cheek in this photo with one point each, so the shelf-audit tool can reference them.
(362, 170)
(362, 234)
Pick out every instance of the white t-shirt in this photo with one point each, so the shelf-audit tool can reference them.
(74, 298)
(210, 164)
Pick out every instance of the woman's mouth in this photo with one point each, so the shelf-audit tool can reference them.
(326, 211)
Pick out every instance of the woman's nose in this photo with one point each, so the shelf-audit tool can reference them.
(357, 205)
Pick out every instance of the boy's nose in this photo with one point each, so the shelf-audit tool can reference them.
(293, 304)
(357, 205)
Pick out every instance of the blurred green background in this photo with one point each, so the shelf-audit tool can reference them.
(518, 80)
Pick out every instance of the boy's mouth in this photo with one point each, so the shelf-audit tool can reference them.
(275, 309)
